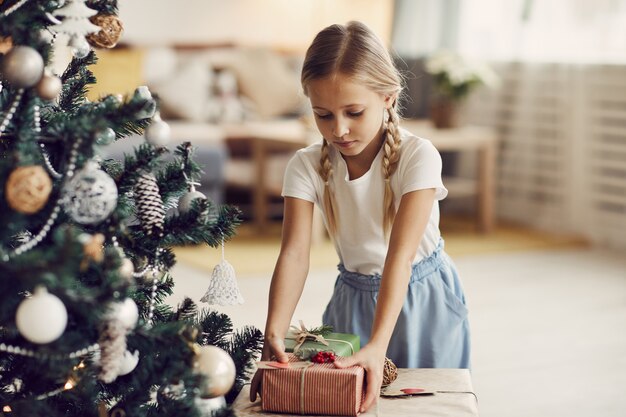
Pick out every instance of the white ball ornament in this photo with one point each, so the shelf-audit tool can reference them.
(184, 204)
(41, 318)
(218, 368)
(158, 133)
(22, 67)
(127, 312)
(129, 363)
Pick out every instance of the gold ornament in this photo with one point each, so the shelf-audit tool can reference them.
(49, 87)
(5, 43)
(92, 250)
(110, 33)
(28, 188)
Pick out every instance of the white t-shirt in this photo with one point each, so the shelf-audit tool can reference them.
(360, 240)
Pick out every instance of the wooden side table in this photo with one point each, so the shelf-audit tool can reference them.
(263, 143)
(479, 139)
(255, 144)
(453, 396)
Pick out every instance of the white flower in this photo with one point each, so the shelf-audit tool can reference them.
(455, 76)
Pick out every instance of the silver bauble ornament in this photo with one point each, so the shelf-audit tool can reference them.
(143, 92)
(42, 317)
(80, 47)
(158, 133)
(105, 137)
(149, 108)
(49, 87)
(184, 204)
(129, 363)
(218, 368)
(22, 67)
(90, 196)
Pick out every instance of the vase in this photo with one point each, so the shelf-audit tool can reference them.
(444, 113)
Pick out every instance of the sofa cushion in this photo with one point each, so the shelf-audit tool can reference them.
(159, 65)
(187, 93)
(266, 78)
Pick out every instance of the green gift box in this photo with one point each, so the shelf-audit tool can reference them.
(343, 344)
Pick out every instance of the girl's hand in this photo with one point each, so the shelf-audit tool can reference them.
(373, 361)
(274, 347)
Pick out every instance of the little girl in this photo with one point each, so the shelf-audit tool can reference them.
(378, 188)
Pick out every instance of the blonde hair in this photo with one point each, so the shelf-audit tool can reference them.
(355, 51)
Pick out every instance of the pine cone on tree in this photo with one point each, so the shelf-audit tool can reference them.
(112, 347)
(150, 209)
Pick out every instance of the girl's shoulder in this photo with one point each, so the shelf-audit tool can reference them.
(314, 150)
(307, 158)
(412, 144)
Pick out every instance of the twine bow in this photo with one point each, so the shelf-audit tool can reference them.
(301, 335)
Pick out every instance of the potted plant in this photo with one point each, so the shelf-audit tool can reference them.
(454, 78)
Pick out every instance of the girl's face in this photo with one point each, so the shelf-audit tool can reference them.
(348, 115)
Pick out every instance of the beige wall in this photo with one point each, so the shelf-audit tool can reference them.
(289, 24)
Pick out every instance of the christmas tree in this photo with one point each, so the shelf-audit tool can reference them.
(86, 242)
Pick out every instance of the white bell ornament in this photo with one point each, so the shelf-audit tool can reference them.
(223, 288)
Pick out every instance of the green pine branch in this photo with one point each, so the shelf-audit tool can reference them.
(245, 348)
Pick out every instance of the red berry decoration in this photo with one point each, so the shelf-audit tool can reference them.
(324, 357)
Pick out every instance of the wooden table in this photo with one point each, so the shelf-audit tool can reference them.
(256, 143)
(479, 139)
(454, 397)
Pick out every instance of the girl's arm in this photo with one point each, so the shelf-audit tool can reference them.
(406, 235)
(288, 280)
(291, 268)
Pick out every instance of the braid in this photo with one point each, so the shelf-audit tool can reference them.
(390, 164)
(326, 172)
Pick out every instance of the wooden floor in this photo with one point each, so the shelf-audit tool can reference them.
(547, 324)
